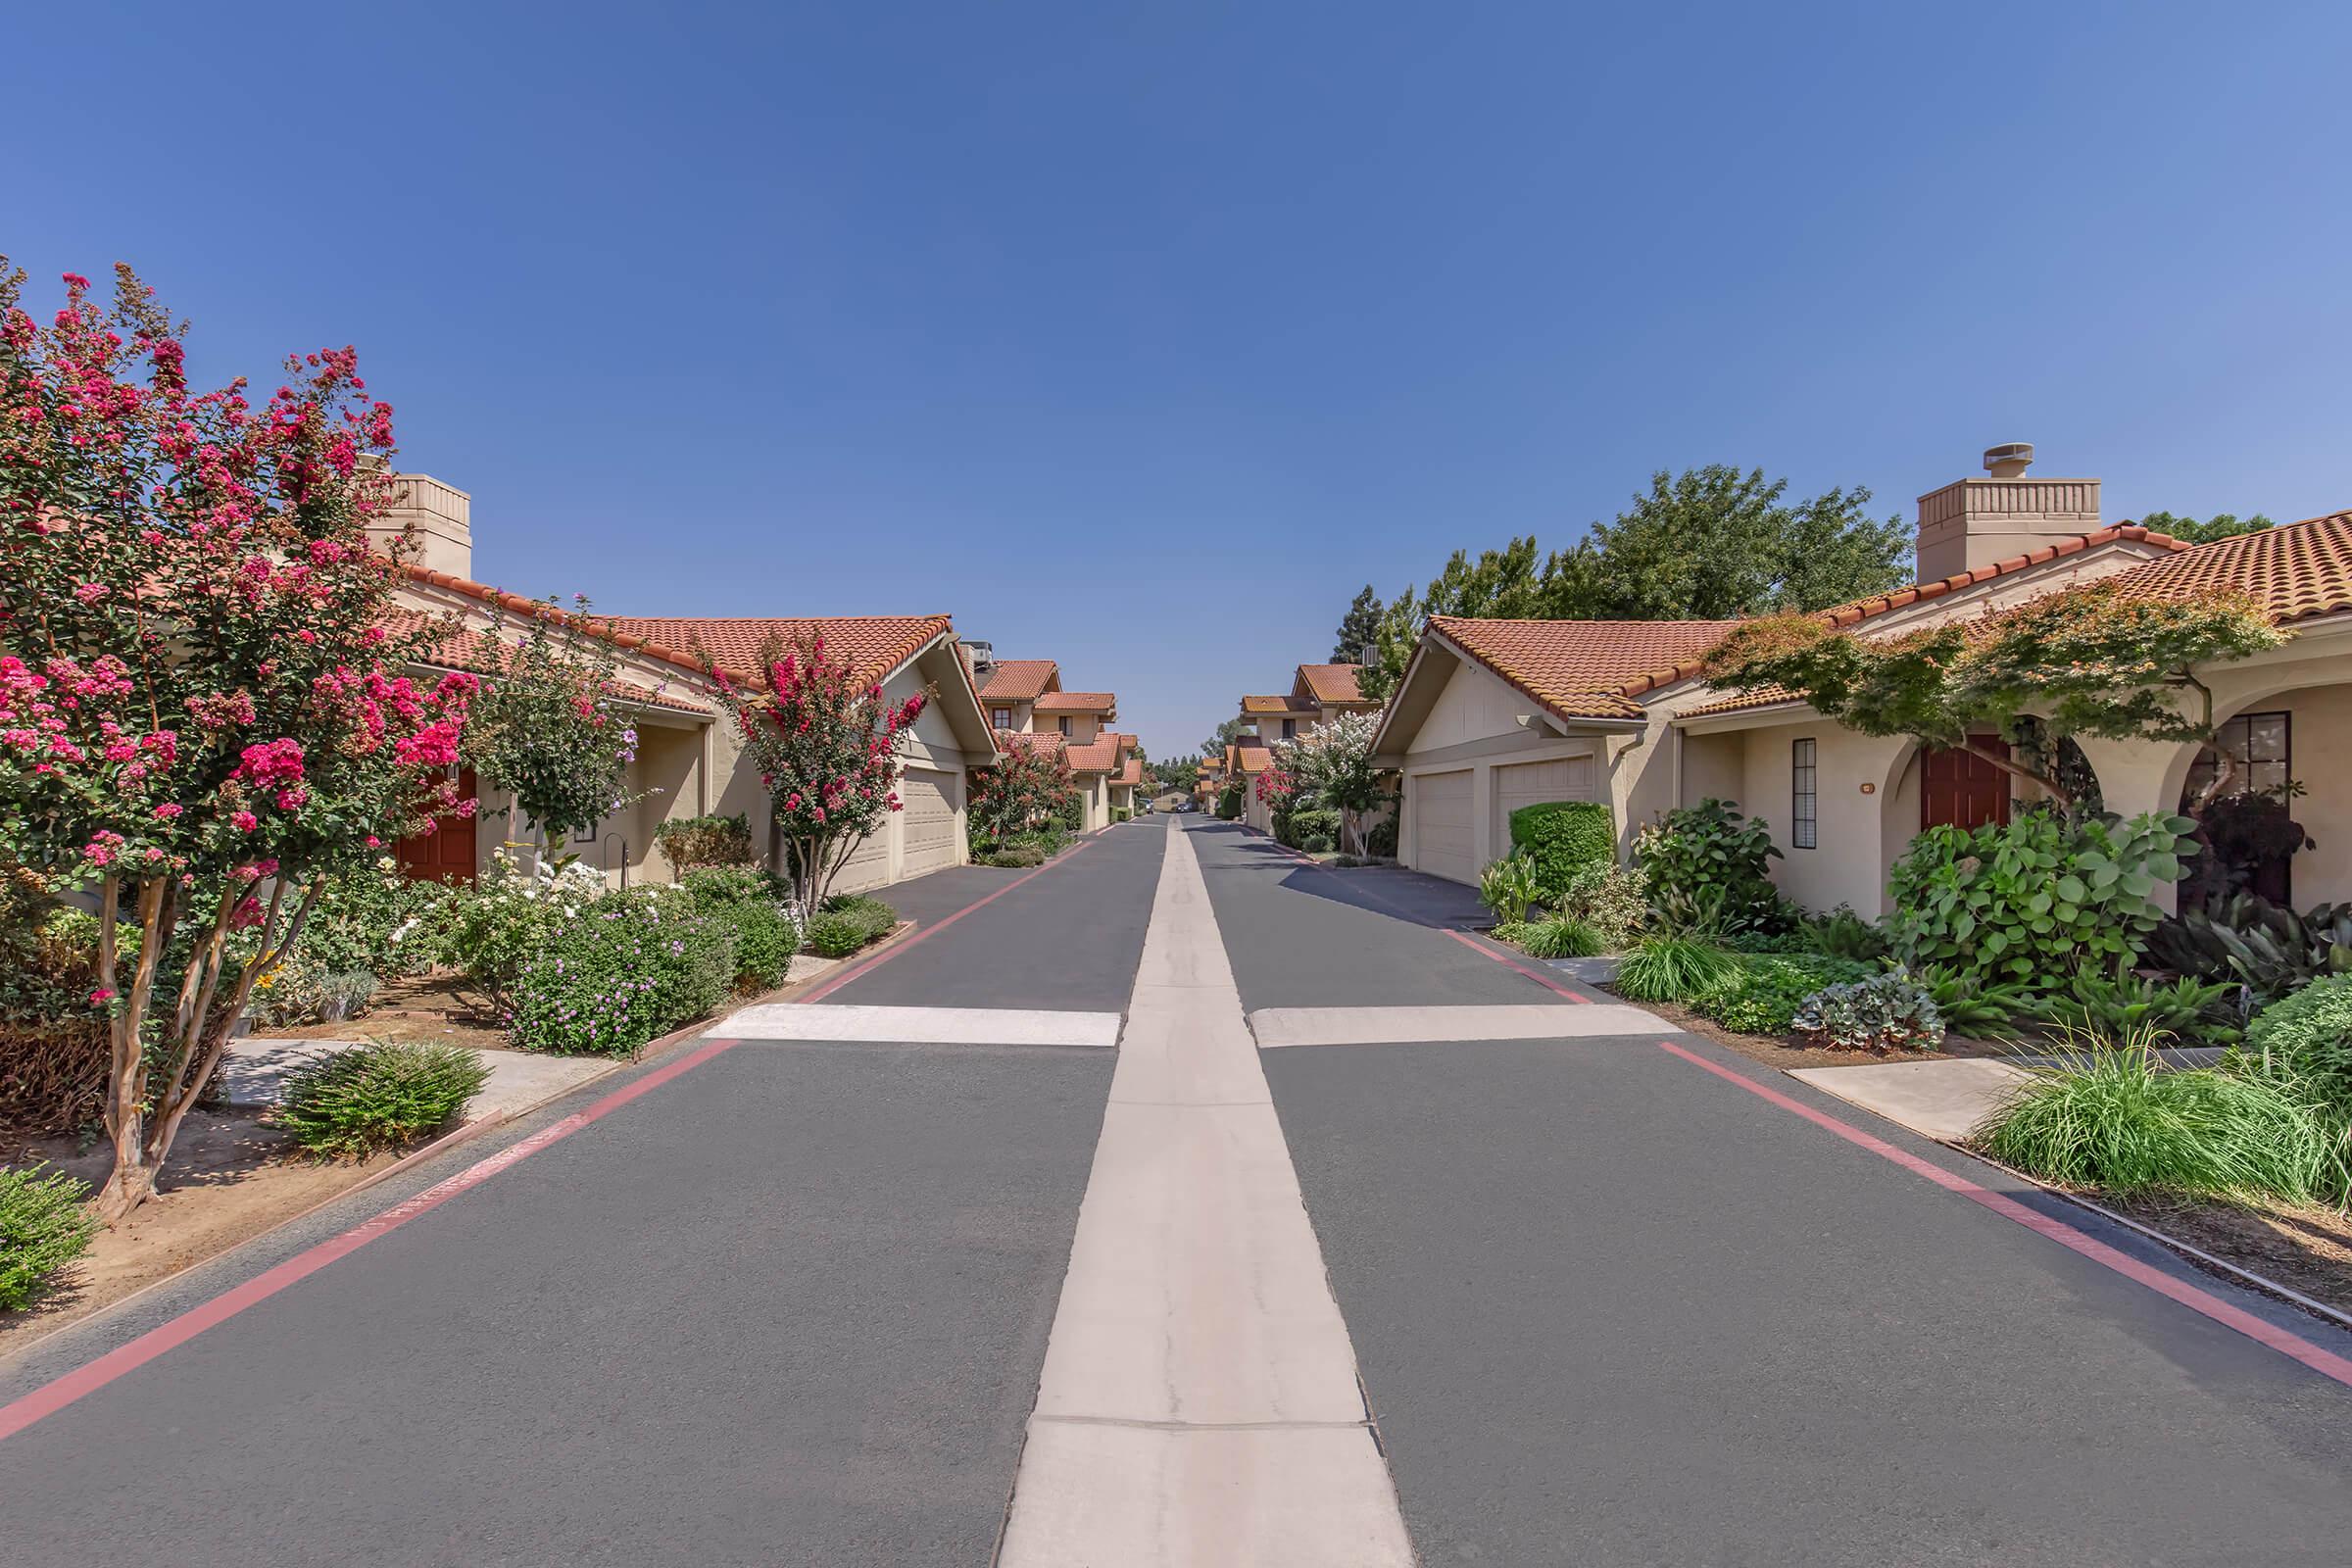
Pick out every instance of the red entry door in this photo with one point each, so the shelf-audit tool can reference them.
(448, 853)
(1963, 788)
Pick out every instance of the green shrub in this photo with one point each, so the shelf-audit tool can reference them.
(1120, 814)
(1763, 996)
(351, 1102)
(2309, 1034)
(1017, 855)
(759, 904)
(1562, 937)
(1381, 841)
(1844, 934)
(43, 1228)
(688, 842)
(1506, 886)
(2113, 1007)
(2267, 947)
(1886, 1012)
(2113, 1119)
(1314, 823)
(2036, 899)
(1613, 900)
(377, 920)
(849, 923)
(627, 967)
(1971, 1005)
(1229, 800)
(1710, 871)
(1675, 969)
(1563, 837)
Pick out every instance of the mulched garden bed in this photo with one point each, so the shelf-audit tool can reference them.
(1775, 1050)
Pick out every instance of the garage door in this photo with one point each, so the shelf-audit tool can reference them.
(868, 865)
(929, 820)
(1566, 779)
(1442, 843)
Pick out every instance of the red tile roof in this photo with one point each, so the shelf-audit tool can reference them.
(499, 598)
(1078, 702)
(1739, 702)
(872, 644)
(1582, 668)
(481, 651)
(1019, 680)
(1131, 773)
(1098, 756)
(2294, 571)
(1265, 704)
(1252, 758)
(1332, 683)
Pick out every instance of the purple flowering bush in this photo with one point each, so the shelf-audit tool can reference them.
(624, 969)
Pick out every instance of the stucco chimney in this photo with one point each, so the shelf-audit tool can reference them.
(1974, 522)
(441, 517)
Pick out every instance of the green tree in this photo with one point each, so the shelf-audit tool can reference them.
(1503, 584)
(1713, 543)
(1179, 775)
(1358, 627)
(546, 731)
(2081, 661)
(1222, 736)
(2221, 525)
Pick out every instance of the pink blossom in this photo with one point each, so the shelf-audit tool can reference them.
(100, 996)
(89, 593)
(245, 822)
(169, 810)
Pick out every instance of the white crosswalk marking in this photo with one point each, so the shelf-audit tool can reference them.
(934, 1026)
(1374, 1026)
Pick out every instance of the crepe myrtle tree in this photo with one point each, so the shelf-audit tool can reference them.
(827, 745)
(202, 717)
(2084, 661)
(1031, 788)
(545, 729)
(1333, 764)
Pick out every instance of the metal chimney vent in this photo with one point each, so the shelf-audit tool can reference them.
(2010, 460)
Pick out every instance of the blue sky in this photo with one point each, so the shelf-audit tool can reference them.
(1140, 337)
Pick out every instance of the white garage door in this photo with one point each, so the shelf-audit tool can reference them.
(1566, 779)
(1441, 844)
(868, 865)
(929, 820)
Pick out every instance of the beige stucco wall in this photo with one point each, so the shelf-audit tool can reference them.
(1474, 724)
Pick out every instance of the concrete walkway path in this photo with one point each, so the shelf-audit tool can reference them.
(1199, 1403)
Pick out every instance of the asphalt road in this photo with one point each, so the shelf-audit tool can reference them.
(790, 1306)
(1610, 1309)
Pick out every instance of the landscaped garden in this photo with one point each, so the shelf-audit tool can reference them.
(1325, 798)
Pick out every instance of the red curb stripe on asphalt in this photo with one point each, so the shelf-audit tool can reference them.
(56, 1394)
(1476, 946)
(2324, 1363)
(881, 959)
(1464, 938)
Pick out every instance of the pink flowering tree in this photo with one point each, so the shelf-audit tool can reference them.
(827, 745)
(203, 714)
(1032, 788)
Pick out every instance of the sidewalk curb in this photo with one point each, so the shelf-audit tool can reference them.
(2260, 1283)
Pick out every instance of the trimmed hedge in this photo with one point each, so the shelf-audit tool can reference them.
(850, 923)
(1563, 838)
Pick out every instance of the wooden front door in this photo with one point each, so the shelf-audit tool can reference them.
(1963, 788)
(448, 853)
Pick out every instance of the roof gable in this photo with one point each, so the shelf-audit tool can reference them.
(1020, 680)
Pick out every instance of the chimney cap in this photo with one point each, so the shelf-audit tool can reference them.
(2009, 459)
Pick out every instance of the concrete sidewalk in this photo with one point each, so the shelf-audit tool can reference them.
(255, 1070)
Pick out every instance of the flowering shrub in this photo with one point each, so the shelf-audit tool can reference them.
(545, 729)
(621, 971)
(496, 926)
(1332, 763)
(827, 747)
(768, 926)
(377, 920)
(1032, 788)
(202, 719)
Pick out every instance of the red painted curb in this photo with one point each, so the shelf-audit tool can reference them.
(1494, 951)
(867, 965)
(56, 1394)
(2324, 1363)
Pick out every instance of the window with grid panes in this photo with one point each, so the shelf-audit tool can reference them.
(1804, 795)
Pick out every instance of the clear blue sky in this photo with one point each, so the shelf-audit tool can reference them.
(1142, 336)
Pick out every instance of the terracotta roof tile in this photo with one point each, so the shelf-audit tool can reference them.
(873, 645)
(2294, 571)
(479, 650)
(1582, 668)
(1265, 704)
(1332, 683)
(1252, 758)
(1131, 773)
(1098, 756)
(1019, 680)
(1078, 702)
(1741, 702)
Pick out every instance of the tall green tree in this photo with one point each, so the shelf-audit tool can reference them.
(1713, 543)
(1503, 584)
(2221, 525)
(1358, 627)
(1222, 736)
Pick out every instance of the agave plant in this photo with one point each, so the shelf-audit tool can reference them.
(2249, 940)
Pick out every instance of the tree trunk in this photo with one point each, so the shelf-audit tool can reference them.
(133, 1180)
